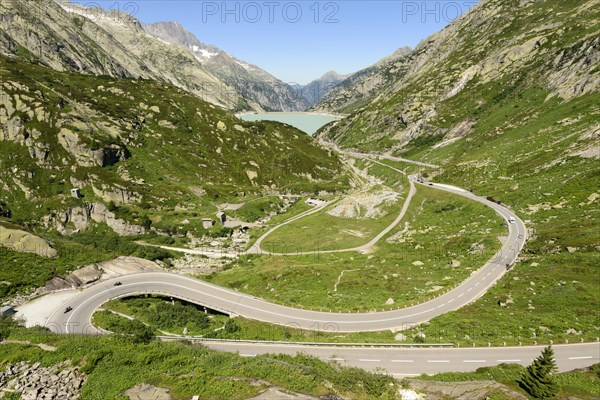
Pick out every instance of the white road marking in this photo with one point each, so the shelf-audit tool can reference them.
(508, 360)
(402, 361)
(248, 355)
(580, 358)
(438, 361)
(474, 361)
(396, 374)
(368, 360)
(336, 359)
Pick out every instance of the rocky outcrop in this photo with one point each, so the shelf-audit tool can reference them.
(122, 265)
(463, 390)
(80, 277)
(75, 219)
(33, 382)
(25, 242)
(145, 391)
(87, 157)
(117, 194)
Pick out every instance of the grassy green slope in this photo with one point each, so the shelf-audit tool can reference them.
(114, 364)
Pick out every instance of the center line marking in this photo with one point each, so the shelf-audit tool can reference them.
(402, 361)
(368, 360)
(580, 358)
(337, 359)
(474, 361)
(508, 360)
(438, 361)
(248, 355)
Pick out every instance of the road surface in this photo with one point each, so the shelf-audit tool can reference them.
(415, 361)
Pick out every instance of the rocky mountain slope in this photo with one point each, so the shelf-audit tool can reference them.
(262, 90)
(70, 37)
(79, 150)
(357, 89)
(500, 49)
(314, 91)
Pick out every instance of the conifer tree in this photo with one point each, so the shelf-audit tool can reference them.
(538, 379)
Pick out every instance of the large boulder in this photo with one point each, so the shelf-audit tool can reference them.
(88, 274)
(22, 241)
(145, 391)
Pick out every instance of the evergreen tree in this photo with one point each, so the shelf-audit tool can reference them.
(538, 379)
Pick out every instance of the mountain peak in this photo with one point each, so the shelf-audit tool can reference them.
(332, 75)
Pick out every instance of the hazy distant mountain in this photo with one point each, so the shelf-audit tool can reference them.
(261, 89)
(315, 90)
(362, 86)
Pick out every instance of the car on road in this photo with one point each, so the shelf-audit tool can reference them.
(69, 308)
(117, 284)
(511, 219)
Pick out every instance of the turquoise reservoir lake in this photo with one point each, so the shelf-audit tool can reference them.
(306, 122)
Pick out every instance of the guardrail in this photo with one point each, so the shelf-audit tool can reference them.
(324, 344)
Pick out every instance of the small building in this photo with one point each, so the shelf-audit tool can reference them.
(222, 216)
(76, 193)
(6, 310)
(208, 223)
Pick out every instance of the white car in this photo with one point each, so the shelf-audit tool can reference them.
(511, 220)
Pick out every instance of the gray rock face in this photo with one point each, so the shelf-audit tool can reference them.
(75, 279)
(78, 218)
(145, 391)
(462, 390)
(88, 274)
(60, 381)
(70, 37)
(262, 90)
(22, 241)
(88, 157)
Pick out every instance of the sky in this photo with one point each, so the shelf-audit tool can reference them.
(298, 41)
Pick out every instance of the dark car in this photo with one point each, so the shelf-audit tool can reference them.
(117, 284)
(68, 309)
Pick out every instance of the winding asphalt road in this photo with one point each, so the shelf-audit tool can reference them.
(236, 303)
(396, 361)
